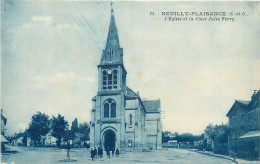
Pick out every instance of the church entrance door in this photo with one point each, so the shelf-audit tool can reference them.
(110, 140)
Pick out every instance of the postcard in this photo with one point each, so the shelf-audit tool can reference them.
(130, 81)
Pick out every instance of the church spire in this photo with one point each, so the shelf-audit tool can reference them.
(112, 54)
(112, 38)
(112, 7)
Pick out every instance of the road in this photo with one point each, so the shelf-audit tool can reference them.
(27, 155)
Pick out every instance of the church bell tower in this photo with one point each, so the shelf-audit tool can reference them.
(111, 70)
(108, 112)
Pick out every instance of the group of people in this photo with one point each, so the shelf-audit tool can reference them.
(95, 153)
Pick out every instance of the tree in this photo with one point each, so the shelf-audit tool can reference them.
(74, 126)
(165, 136)
(186, 137)
(84, 129)
(58, 126)
(39, 126)
(219, 135)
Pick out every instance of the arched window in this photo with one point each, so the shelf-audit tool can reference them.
(115, 79)
(105, 80)
(110, 81)
(113, 110)
(109, 108)
(106, 110)
(130, 120)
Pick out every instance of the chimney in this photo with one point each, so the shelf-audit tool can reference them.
(138, 92)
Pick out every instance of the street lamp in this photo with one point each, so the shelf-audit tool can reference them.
(68, 146)
(68, 141)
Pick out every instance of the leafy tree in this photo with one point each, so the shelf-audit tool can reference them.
(58, 127)
(39, 126)
(166, 136)
(74, 126)
(219, 135)
(209, 131)
(84, 129)
(188, 137)
(185, 137)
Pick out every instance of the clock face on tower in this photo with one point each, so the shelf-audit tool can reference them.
(109, 71)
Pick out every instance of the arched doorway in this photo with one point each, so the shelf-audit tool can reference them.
(109, 140)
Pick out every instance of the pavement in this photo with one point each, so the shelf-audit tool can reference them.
(238, 161)
(27, 155)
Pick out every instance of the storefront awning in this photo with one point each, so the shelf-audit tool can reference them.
(3, 140)
(251, 134)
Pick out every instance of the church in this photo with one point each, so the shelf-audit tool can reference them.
(119, 117)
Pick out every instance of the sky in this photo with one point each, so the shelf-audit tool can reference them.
(51, 49)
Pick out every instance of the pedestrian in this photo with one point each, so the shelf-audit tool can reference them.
(234, 156)
(92, 154)
(117, 152)
(101, 151)
(79, 144)
(95, 152)
(108, 153)
(113, 152)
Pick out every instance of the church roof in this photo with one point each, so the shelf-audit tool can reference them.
(112, 54)
(130, 93)
(151, 106)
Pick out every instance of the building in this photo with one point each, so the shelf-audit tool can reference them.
(153, 123)
(119, 117)
(19, 139)
(49, 140)
(3, 139)
(3, 123)
(244, 123)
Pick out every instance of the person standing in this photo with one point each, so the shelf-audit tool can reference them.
(101, 151)
(108, 153)
(92, 154)
(113, 151)
(79, 143)
(117, 152)
(95, 152)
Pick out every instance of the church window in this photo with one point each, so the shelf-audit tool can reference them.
(105, 80)
(106, 110)
(110, 79)
(113, 110)
(130, 120)
(115, 79)
(109, 108)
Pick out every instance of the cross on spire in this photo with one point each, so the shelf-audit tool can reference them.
(111, 4)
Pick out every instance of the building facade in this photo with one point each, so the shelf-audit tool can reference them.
(119, 117)
(244, 123)
(153, 123)
(3, 123)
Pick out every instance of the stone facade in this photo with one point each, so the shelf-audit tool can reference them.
(153, 123)
(244, 123)
(118, 115)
